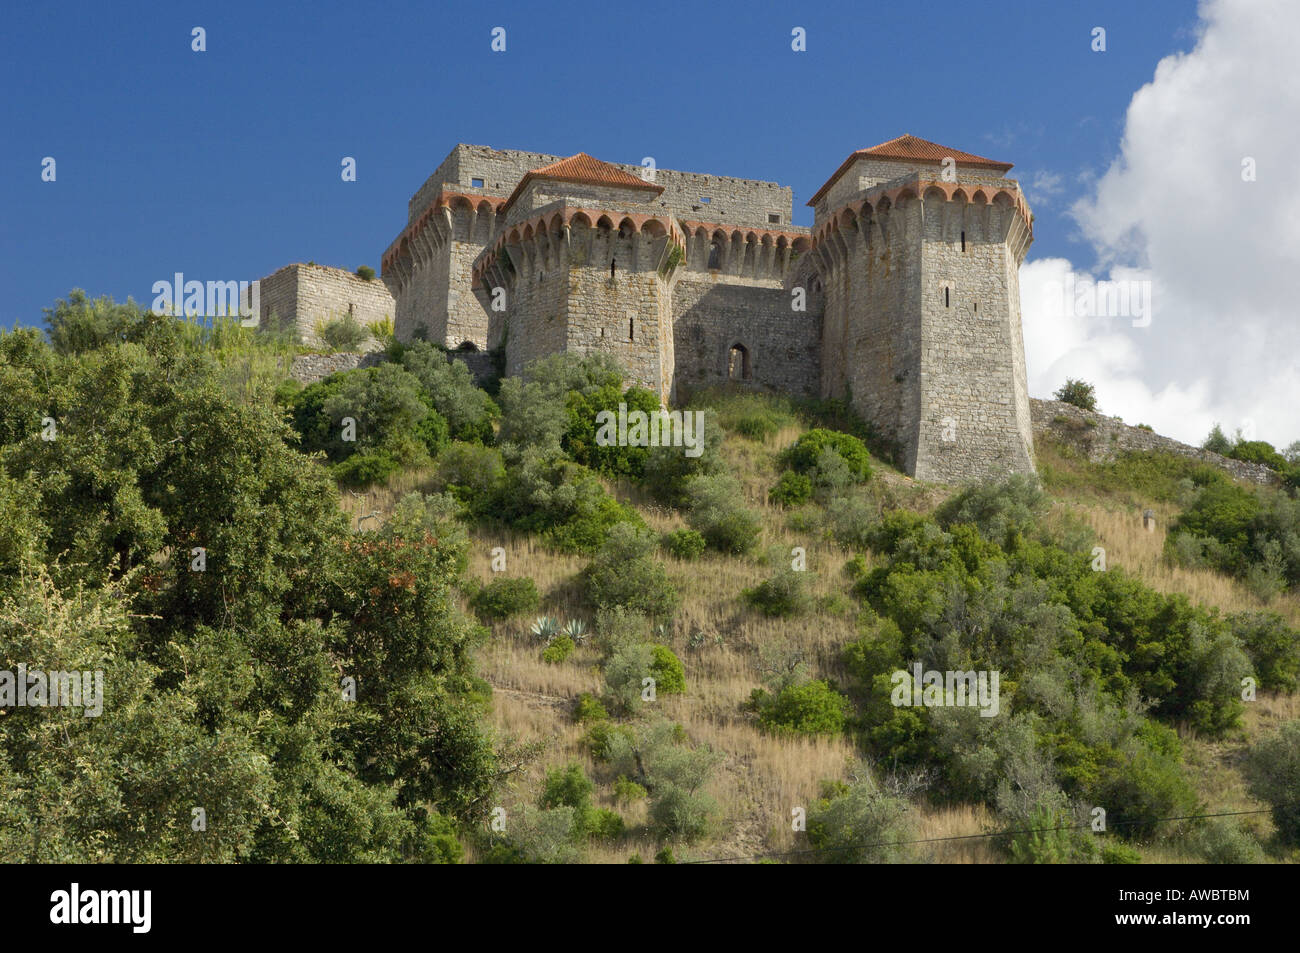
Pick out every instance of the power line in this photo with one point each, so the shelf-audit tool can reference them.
(955, 837)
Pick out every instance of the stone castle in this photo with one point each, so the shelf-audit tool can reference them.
(903, 297)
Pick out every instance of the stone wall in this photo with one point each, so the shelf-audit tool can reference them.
(712, 315)
(308, 368)
(301, 296)
(1103, 438)
(975, 419)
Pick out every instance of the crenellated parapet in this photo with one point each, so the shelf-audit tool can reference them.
(763, 254)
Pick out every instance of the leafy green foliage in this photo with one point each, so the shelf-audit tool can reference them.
(792, 489)
(715, 512)
(805, 455)
(860, 824)
(809, 708)
(1079, 393)
(450, 389)
(684, 544)
(625, 574)
(667, 671)
(784, 593)
(502, 598)
(1273, 771)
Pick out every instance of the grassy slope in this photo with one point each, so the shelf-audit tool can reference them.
(763, 777)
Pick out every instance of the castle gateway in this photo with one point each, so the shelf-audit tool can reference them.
(902, 298)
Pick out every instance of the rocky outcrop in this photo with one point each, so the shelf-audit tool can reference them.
(1103, 438)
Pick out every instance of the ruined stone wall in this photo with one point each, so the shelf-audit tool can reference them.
(974, 420)
(302, 296)
(1102, 439)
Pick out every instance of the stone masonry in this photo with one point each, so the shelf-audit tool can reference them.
(305, 296)
(903, 297)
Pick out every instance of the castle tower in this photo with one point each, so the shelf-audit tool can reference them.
(584, 261)
(918, 248)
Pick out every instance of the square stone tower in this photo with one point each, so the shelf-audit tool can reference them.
(918, 249)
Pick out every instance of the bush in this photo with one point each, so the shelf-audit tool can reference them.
(1078, 393)
(806, 454)
(1217, 442)
(557, 650)
(860, 824)
(1259, 451)
(344, 333)
(1273, 773)
(715, 513)
(784, 593)
(588, 708)
(604, 824)
(503, 598)
(792, 489)
(1272, 646)
(625, 574)
(1117, 852)
(813, 708)
(364, 469)
(612, 459)
(366, 273)
(667, 470)
(451, 391)
(684, 544)
(1223, 841)
(1049, 835)
(1000, 510)
(667, 671)
(628, 664)
(627, 790)
(474, 474)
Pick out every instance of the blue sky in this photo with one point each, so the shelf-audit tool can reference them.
(226, 163)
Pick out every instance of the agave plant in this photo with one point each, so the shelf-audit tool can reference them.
(546, 628)
(576, 629)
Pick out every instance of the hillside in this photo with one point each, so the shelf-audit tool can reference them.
(551, 648)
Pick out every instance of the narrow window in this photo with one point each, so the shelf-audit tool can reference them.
(631, 329)
(476, 183)
(738, 368)
(963, 241)
(977, 307)
(945, 297)
(611, 269)
(774, 219)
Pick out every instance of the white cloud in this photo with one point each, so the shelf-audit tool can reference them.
(1222, 254)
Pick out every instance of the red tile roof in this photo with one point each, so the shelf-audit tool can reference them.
(584, 169)
(909, 148)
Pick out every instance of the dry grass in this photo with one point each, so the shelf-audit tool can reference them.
(727, 647)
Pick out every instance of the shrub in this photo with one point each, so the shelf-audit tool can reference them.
(627, 790)
(1259, 451)
(673, 773)
(684, 544)
(792, 489)
(451, 391)
(344, 333)
(474, 474)
(860, 824)
(568, 787)
(625, 574)
(364, 469)
(580, 436)
(1217, 442)
(1273, 773)
(1049, 835)
(813, 708)
(1273, 648)
(389, 409)
(503, 598)
(668, 470)
(805, 454)
(1117, 852)
(366, 273)
(667, 671)
(1078, 393)
(1000, 510)
(557, 650)
(563, 501)
(715, 513)
(588, 708)
(627, 665)
(604, 824)
(784, 593)
(1223, 841)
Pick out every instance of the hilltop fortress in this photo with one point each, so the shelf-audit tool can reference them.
(903, 297)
